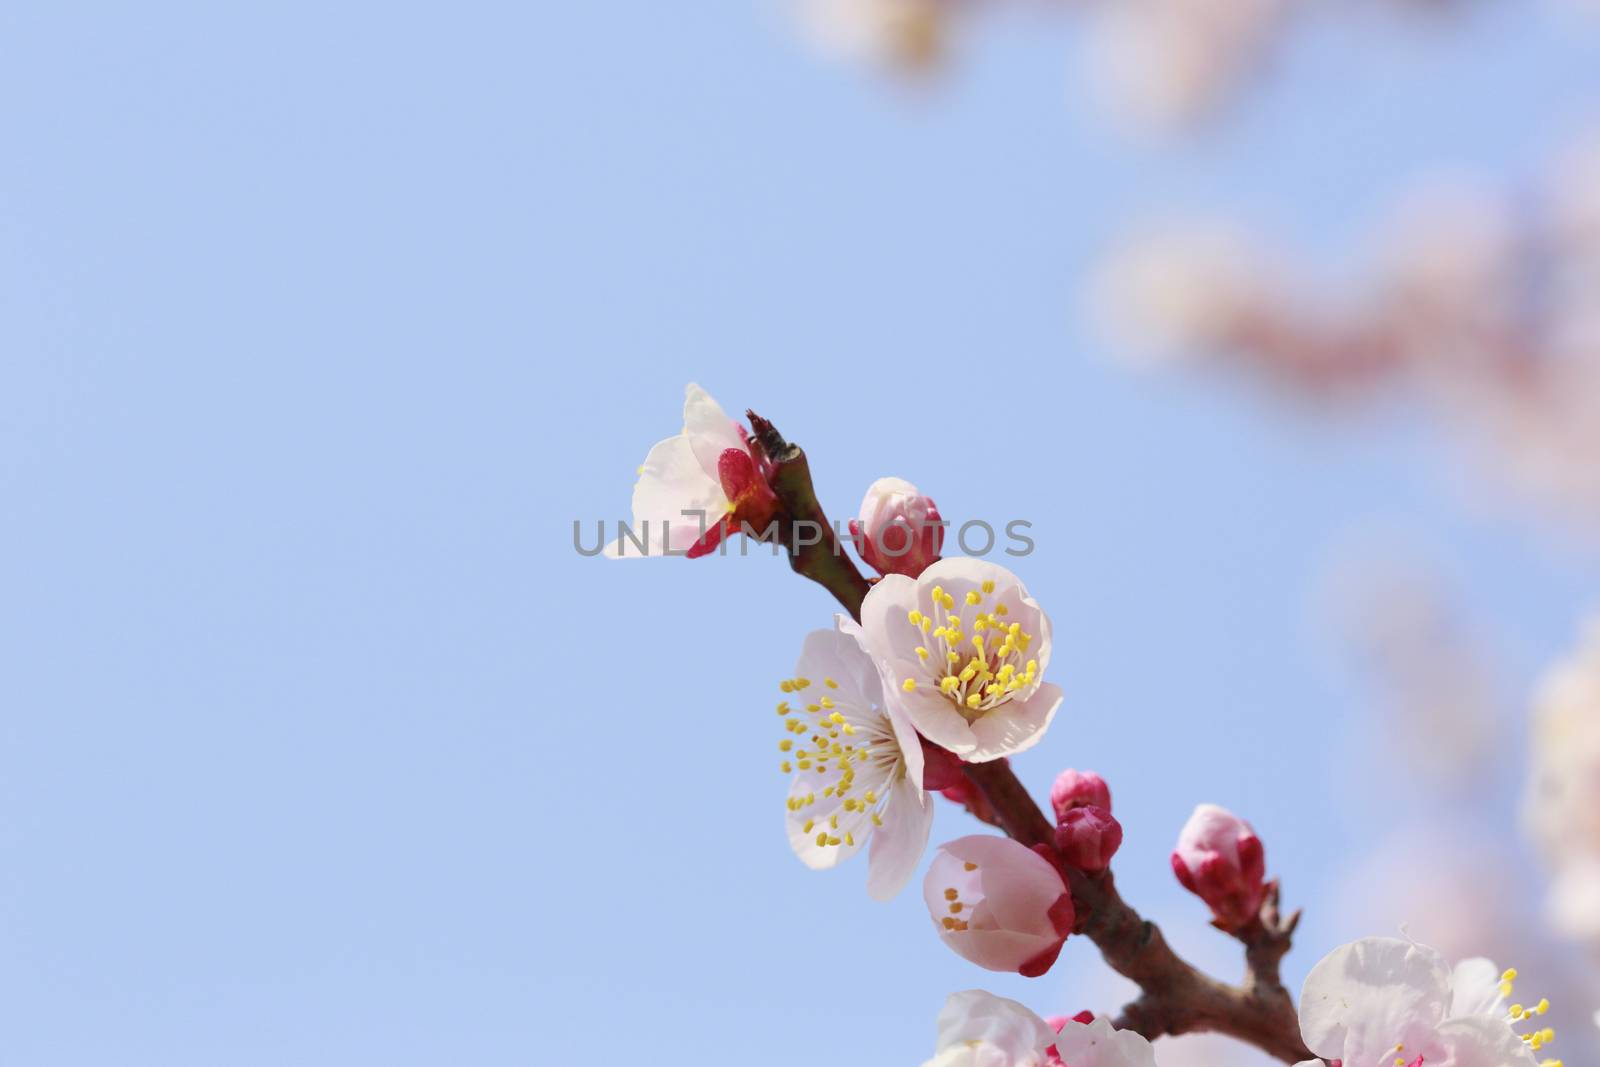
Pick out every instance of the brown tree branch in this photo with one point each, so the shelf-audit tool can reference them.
(1175, 998)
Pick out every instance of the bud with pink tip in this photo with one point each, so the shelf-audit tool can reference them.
(1088, 837)
(899, 530)
(1220, 859)
(999, 904)
(1077, 789)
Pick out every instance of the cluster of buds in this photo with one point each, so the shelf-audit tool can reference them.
(1087, 834)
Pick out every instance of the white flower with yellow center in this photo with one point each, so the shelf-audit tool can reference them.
(856, 764)
(1384, 1002)
(964, 649)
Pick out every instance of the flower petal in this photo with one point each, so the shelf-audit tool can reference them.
(885, 619)
(1015, 726)
(1368, 994)
(670, 483)
(898, 844)
(1479, 1041)
(708, 429)
(1475, 989)
(1098, 1044)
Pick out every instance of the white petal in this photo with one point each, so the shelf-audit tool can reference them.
(708, 429)
(838, 655)
(1097, 1044)
(1475, 989)
(930, 711)
(898, 844)
(885, 619)
(1370, 993)
(1014, 726)
(910, 745)
(670, 483)
(1479, 1041)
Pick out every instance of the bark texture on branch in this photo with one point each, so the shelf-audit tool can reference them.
(1175, 998)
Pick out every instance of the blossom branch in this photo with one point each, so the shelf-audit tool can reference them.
(1175, 997)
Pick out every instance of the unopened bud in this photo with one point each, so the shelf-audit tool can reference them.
(1220, 859)
(1087, 837)
(1077, 789)
(898, 530)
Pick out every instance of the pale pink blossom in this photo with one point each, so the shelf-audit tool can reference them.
(964, 650)
(856, 764)
(1382, 1001)
(898, 530)
(1220, 859)
(998, 904)
(695, 488)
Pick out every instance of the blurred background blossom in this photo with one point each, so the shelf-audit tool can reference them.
(1480, 303)
(1159, 65)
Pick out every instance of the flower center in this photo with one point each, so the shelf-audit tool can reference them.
(848, 752)
(974, 657)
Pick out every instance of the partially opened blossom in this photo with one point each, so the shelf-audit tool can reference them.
(856, 764)
(696, 488)
(1383, 1001)
(978, 1029)
(1219, 859)
(998, 904)
(898, 530)
(964, 648)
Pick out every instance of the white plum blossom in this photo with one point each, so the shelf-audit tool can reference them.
(856, 764)
(978, 1029)
(1381, 1002)
(964, 649)
(998, 904)
(696, 487)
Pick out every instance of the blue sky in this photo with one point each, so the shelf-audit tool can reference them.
(320, 325)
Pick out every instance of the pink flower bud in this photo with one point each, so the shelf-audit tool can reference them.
(898, 531)
(1219, 859)
(999, 904)
(1077, 789)
(1088, 837)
